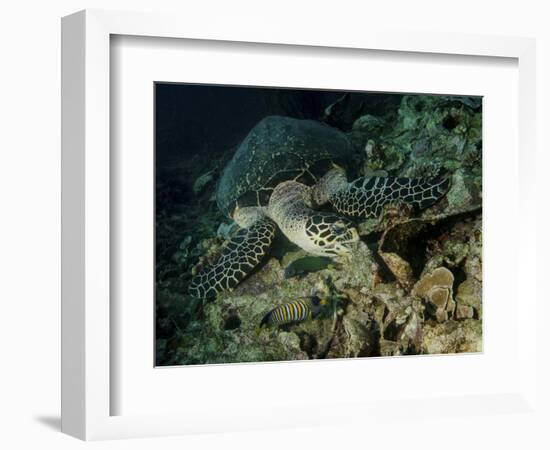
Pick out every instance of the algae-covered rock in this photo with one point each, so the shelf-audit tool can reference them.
(369, 124)
(468, 299)
(360, 340)
(400, 268)
(307, 264)
(452, 337)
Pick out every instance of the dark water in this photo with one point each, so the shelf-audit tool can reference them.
(208, 120)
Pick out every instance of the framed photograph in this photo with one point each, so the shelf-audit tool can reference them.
(281, 211)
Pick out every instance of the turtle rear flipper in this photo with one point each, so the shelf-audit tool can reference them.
(240, 256)
(366, 197)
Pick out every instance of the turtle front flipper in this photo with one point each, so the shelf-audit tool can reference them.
(240, 256)
(366, 197)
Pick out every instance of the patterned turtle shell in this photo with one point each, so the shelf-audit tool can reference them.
(279, 149)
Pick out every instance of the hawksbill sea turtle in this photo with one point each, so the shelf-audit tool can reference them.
(283, 172)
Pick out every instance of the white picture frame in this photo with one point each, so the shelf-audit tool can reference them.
(87, 385)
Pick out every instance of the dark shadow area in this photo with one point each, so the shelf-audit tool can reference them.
(51, 422)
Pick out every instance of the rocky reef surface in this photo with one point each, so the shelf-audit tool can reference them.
(412, 285)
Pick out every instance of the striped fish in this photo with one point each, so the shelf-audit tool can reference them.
(298, 310)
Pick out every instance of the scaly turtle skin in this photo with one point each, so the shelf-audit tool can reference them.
(281, 173)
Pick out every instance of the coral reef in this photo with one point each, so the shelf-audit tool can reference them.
(436, 288)
(412, 285)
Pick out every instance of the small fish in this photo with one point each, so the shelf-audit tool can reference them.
(298, 310)
(308, 264)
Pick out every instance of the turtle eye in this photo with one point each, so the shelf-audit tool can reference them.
(338, 227)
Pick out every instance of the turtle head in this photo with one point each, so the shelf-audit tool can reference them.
(330, 235)
(317, 232)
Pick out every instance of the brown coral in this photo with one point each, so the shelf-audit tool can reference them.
(436, 287)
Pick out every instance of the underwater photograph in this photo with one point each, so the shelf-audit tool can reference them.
(299, 224)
